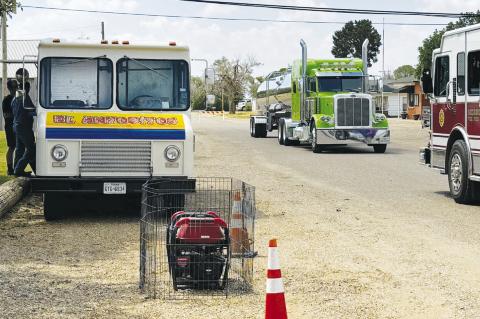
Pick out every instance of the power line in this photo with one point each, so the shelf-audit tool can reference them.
(218, 18)
(336, 10)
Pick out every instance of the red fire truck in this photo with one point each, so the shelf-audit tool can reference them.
(454, 85)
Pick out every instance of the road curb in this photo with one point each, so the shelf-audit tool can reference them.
(11, 192)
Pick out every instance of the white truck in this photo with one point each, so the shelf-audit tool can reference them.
(110, 116)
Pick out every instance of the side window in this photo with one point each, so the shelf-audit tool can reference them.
(442, 75)
(312, 85)
(474, 73)
(461, 73)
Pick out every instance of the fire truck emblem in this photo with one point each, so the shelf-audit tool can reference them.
(441, 118)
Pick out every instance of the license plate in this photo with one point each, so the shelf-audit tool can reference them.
(114, 188)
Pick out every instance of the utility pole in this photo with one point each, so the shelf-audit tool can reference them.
(383, 59)
(4, 49)
(103, 30)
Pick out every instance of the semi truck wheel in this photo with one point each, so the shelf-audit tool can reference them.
(462, 189)
(252, 127)
(53, 207)
(379, 148)
(316, 148)
(257, 129)
(281, 136)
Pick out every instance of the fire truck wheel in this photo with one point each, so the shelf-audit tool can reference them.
(379, 148)
(316, 148)
(281, 137)
(53, 207)
(461, 188)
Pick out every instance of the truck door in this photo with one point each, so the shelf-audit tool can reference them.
(472, 94)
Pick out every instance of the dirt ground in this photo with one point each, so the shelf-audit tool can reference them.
(361, 235)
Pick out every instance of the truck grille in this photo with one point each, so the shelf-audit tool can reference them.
(112, 157)
(353, 111)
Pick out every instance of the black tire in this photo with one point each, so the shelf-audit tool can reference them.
(53, 207)
(316, 148)
(379, 148)
(462, 189)
(252, 127)
(281, 136)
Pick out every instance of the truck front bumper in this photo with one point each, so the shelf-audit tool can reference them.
(94, 185)
(368, 136)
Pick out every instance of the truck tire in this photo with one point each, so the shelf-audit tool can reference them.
(53, 207)
(316, 148)
(281, 137)
(379, 148)
(462, 189)
(257, 129)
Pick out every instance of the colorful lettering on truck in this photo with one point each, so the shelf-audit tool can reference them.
(109, 118)
(454, 85)
(327, 105)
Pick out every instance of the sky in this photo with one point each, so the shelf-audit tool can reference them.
(274, 45)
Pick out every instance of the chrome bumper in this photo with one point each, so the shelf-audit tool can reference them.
(342, 136)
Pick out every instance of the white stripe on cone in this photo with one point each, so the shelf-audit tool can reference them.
(273, 260)
(275, 286)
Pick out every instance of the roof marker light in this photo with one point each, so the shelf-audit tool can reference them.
(104, 42)
(115, 42)
(172, 43)
(125, 42)
(56, 40)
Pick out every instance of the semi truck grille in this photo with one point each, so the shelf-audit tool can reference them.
(112, 157)
(353, 111)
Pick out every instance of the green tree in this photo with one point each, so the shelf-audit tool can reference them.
(197, 93)
(434, 40)
(404, 71)
(348, 41)
(234, 77)
(10, 6)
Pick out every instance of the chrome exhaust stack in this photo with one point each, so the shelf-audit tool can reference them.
(365, 64)
(304, 79)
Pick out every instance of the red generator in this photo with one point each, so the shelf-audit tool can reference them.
(198, 248)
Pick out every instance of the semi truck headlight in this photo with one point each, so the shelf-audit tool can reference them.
(172, 153)
(59, 153)
(380, 117)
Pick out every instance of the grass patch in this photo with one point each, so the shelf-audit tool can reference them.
(238, 115)
(3, 162)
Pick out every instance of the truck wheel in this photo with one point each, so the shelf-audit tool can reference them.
(316, 148)
(252, 127)
(379, 148)
(461, 188)
(53, 207)
(281, 136)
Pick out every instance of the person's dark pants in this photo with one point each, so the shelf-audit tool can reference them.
(11, 143)
(25, 149)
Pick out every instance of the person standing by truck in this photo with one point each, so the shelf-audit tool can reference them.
(22, 107)
(8, 117)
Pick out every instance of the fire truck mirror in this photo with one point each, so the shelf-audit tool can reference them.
(427, 82)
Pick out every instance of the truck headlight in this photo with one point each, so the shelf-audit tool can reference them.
(59, 153)
(172, 153)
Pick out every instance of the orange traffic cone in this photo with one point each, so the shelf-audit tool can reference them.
(275, 307)
(238, 232)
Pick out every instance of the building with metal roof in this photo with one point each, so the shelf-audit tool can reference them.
(17, 50)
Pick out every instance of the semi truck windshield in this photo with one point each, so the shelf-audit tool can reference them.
(339, 84)
(76, 82)
(152, 84)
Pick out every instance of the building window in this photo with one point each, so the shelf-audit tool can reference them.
(461, 73)
(474, 73)
(442, 75)
(413, 100)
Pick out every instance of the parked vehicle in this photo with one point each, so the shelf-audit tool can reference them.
(454, 82)
(322, 102)
(110, 117)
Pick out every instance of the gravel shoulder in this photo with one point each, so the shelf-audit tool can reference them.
(361, 235)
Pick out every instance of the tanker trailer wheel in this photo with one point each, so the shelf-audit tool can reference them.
(316, 148)
(53, 206)
(257, 129)
(462, 189)
(379, 148)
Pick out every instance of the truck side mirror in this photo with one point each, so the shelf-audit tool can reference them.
(427, 82)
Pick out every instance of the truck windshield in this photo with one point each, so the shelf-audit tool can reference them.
(76, 82)
(152, 84)
(339, 84)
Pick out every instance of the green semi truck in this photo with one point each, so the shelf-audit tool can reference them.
(322, 102)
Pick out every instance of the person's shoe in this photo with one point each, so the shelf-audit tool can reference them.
(23, 174)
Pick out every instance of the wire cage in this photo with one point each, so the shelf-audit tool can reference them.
(197, 238)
